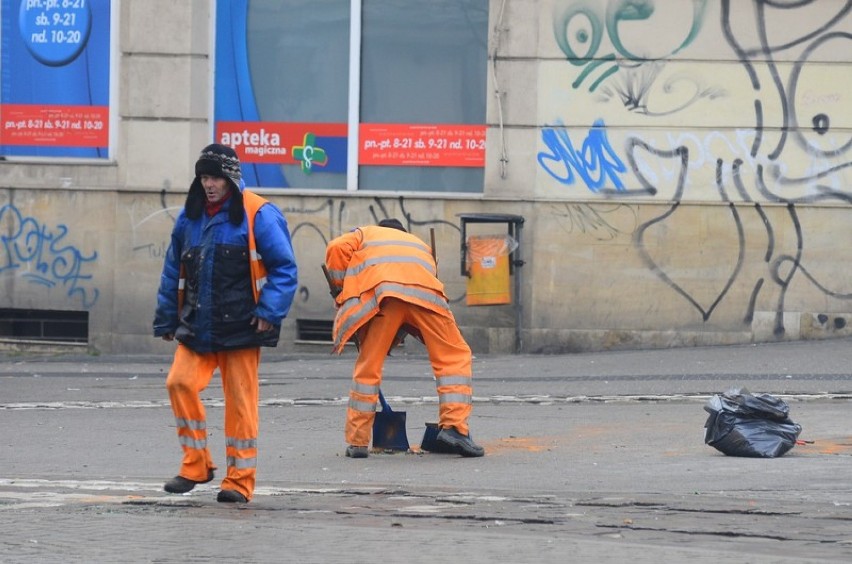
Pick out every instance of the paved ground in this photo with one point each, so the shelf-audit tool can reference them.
(590, 457)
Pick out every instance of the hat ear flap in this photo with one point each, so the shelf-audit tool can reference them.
(195, 200)
(236, 212)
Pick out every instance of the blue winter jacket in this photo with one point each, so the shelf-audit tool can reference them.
(219, 304)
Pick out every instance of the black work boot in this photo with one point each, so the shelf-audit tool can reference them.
(181, 485)
(231, 496)
(353, 451)
(462, 444)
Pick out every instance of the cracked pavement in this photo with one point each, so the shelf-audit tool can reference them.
(589, 457)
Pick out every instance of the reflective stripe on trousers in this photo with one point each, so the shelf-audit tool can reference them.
(449, 355)
(191, 373)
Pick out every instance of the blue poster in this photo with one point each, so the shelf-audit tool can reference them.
(54, 78)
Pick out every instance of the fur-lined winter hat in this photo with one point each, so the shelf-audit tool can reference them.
(216, 160)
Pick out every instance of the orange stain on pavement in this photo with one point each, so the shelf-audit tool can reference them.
(839, 446)
(528, 444)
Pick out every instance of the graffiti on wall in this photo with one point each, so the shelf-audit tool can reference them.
(595, 163)
(618, 67)
(41, 255)
(602, 222)
(768, 125)
(311, 229)
(167, 214)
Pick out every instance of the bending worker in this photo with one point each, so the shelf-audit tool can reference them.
(228, 280)
(385, 280)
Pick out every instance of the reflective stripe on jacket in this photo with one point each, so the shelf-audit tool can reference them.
(372, 263)
(252, 204)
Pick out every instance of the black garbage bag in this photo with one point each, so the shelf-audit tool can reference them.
(742, 424)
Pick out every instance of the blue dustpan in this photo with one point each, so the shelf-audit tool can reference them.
(430, 442)
(389, 428)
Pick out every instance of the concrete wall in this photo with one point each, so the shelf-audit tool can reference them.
(692, 189)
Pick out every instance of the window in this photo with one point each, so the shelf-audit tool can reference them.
(44, 325)
(55, 79)
(367, 94)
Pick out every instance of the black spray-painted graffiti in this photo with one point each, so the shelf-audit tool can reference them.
(801, 131)
(41, 255)
(807, 134)
(156, 250)
(333, 224)
(603, 222)
(329, 223)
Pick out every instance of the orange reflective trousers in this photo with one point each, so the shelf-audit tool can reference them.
(449, 355)
(190, 373)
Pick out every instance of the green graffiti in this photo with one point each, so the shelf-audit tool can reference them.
(580, 28)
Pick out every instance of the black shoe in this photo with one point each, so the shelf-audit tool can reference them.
(181, 485)
(231, 496)
(353, 451)
(462, 444)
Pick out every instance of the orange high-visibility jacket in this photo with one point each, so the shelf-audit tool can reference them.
(372, 263)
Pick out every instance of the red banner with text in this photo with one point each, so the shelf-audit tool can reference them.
(276, 142)
(387, 144)
(54, 126)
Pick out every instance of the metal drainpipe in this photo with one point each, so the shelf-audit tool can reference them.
(518, 262)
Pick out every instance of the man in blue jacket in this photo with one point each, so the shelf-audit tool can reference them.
(228, 281)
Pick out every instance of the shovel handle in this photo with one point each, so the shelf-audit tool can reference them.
(434, 252)
(331, 289)
(386, 408)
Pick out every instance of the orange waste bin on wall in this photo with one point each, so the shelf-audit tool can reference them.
(488, 270)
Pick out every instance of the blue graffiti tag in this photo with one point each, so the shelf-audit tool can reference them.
(29, 243)
(596, 156)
